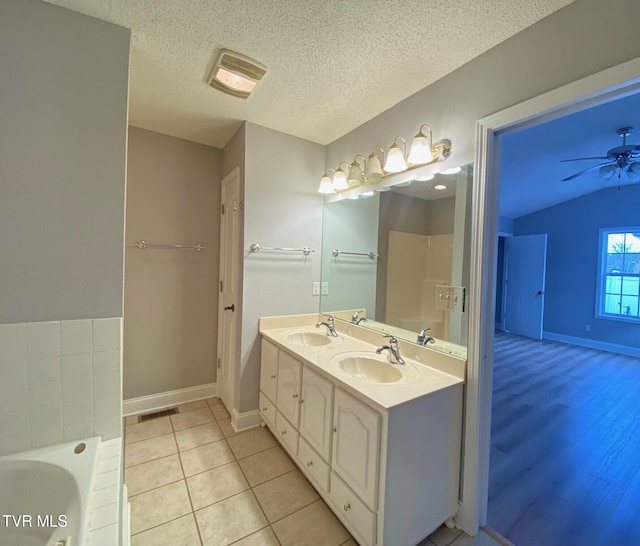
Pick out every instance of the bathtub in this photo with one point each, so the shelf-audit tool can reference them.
(45, 493)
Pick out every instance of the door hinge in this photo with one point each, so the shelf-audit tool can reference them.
(218, 363)
(223, 208)
(221, 285)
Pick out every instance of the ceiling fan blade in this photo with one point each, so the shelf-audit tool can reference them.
(594, 168)
(581, 159)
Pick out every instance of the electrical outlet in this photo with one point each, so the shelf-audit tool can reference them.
(457, 302)
(587, 327)
(315, 288)
(325, 288)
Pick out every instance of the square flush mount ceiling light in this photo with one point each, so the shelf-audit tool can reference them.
(236, 74)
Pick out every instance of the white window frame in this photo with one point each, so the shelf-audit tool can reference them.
(601, 279)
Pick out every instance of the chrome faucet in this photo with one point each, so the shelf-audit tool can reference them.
(330, 328)
(394, 351)
(423, 338)
(355, 319)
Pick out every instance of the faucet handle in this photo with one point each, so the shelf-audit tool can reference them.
(392, 339)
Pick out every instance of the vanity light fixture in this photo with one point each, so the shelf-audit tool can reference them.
(367, 194)
(326, 186)
(439, 187)
(355, 171)
(452, 170)
(340, 178)
(373, 168)
(421, 148)
(396, 161)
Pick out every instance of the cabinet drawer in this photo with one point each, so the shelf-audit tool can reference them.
(287, 434)
(313, 464)
(353, 510)
(268, 411)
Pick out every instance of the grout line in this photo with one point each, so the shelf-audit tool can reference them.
(193, 512)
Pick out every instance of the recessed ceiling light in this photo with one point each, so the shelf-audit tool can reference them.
(425, 178)
(236, 74)
(452, 170)
(439, 187)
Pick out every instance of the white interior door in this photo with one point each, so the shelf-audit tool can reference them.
(228, 310)
(526, 257)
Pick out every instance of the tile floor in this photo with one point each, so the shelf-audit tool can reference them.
(194, 481)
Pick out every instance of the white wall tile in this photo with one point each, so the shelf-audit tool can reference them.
(103, 516)
(45, 394)
(77, 365)
(46, 426)
(15, 444)
(44, 369)
(13, 342)
(77, 431)
(108, 428)
(43, 339)
(107, 406)
(15, 375)
(77, 412)
(76, 336)
(106, 334)
(77, 389)
(14, 400)
(15, 423)
(107, 385)
(104, 496)
(106, 362)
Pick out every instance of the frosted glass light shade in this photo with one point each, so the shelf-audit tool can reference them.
(607, 171)
(340, 181)
(395, 163)
(373, 168)
(634, 171)
(452, 170)
(420, 150)
(355, 174)
(325, 186)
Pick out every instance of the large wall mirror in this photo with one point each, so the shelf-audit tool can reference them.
(385, 255)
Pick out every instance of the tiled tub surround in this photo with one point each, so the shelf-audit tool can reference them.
(61, 381)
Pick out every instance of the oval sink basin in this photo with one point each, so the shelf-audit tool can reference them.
(370, 369)
(308, 339)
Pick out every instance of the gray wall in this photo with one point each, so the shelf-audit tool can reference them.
(583, 38)
(281, 208)
(171, 296)
(63, 124)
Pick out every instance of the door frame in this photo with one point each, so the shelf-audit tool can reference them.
(234, 174)
(607, 85)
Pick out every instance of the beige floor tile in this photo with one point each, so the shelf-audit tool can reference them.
(250, 442)
(302, 528)
(230, 520)
(350, 542)
(481, 539)
(190, 419)
(149, 450)
(130, 420)
(216, 484)
(264, 537)
(146, 476)
(159, 506)
(205, 457)
(215, 401)
(198, 436)
(226, 428)
(266, 465)
(189, 406)
(179, 532)
(443, 536)
(147, 429)
(220, 412)
(284, 495)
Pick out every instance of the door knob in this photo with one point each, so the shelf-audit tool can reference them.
(231, 307)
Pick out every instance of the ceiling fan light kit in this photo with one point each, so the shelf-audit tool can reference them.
(621, 159)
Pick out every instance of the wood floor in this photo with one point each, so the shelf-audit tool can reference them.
(565, 445)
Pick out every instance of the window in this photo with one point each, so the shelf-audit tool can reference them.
(619, 268)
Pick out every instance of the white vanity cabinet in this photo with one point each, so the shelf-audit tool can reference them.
(390, 474)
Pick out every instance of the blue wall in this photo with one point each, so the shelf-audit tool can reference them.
(572, 261)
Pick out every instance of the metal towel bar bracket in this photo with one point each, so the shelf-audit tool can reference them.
(255, 247)
(370, 255)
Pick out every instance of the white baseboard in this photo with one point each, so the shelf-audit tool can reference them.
(593, 344)
(245, 420)
(134, 406)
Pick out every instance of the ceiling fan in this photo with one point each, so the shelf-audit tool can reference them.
(621, 159)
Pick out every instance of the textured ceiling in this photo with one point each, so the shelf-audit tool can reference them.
(333, 64)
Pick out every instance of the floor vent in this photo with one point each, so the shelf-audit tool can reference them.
(157, 414)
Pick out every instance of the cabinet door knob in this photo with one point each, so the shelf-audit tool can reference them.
(301, 400)
(294, 395)
(273, 376)
(309, 464)
(334, 429)
(347, 507)
(264, 409)
(283, 432)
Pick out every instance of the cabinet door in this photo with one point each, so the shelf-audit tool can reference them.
(288, 397)
(356, 445)
(269, 370)
(316, 411)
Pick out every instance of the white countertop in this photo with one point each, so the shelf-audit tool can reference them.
(425, 371)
